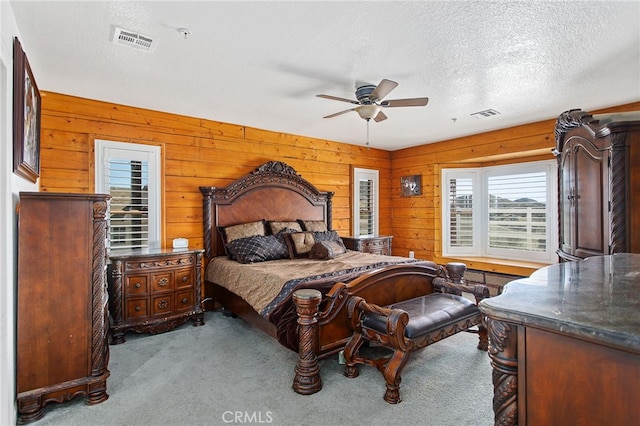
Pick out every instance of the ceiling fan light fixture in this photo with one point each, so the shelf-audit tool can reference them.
(368, 111)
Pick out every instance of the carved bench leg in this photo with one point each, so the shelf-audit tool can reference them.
(307, 379)
(350, 353)
(392, 376)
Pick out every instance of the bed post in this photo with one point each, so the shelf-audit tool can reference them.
(206, 209)
(330, 210)
(307, 379)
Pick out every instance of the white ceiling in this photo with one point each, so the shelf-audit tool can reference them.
(261, 64)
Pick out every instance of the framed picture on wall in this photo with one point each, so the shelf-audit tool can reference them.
(410, 185)
(26, 117)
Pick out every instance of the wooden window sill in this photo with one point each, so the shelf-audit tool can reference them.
(502, 266)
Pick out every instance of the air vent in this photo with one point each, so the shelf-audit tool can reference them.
(133, 39)
(486, 113)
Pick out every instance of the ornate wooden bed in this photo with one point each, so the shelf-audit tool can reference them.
(275, 191)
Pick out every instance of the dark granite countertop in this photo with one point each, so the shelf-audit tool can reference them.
(597, 299)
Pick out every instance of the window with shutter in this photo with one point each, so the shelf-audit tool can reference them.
(130, 174)
(365, 205)
(501, 211)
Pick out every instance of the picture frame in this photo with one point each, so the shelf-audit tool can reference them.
(26, 117)
(410, 185)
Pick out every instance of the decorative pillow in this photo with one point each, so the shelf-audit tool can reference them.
(313, 225)
(299, 243)
(327, 236)
(243, 230)
(258, 248)
(324, 250)
(277, 226)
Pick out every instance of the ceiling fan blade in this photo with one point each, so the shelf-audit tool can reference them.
(404, 102)
(380, 117)
(340, 113)
(335, 98)
(383, 89)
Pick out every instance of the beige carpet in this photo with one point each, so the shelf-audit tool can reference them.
(227, 372)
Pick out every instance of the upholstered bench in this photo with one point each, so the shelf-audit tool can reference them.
(413, 324)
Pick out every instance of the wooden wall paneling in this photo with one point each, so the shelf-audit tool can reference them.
(195, 152)
(164, 122)
(205, 152)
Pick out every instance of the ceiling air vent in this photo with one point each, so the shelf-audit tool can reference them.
(133, 39)
(486, 113)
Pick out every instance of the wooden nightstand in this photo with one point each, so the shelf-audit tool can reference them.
(376, 245)
(153, 290)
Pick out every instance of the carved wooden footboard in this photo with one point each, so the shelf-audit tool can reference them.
(324, 324)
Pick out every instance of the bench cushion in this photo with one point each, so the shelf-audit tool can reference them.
(426, 314)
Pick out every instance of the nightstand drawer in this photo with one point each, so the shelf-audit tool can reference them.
(137, 308)
(370, 245)
(136, 285)
(184, 278)
(184, 300)
(161, 305)
(162, 282)
(375, 245)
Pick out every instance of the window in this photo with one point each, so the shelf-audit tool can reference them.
(130, 173)
(502, 211)
(365, 202)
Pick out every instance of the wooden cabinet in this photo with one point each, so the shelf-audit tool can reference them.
(598, 172)
(154, 290)
(62, 317)
(376, 245)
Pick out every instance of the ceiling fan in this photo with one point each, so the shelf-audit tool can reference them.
(370, 103)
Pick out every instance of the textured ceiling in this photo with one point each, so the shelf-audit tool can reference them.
(261, 64)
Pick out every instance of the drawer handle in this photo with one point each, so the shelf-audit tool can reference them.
(138, 308)
(184, 279)
(184, 300)
(137, 285)
(163, 282)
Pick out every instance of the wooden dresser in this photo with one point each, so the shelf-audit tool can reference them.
(62, 317)
(599, 175)
(376, 245)
(154, 290)
(565, 344)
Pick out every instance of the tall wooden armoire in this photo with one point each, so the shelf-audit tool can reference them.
(62, 315)
(598, 183)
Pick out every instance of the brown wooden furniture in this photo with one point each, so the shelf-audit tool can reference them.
(377, 245)
(62, 349)
(598, 174)
(410, 325)
(565, 344)
(274, 191)
(154, 290)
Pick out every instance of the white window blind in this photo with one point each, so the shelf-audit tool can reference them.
(129, 212)
(461, 212)
(367, 204)
(517, 212)
(130, 174)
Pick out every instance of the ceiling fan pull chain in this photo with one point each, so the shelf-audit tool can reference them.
(368, 132)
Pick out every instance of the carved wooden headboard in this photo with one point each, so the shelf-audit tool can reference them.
(273, 191)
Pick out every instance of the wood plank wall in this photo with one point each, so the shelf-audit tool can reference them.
(417, 220)
(196, 152)
(202, 152)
